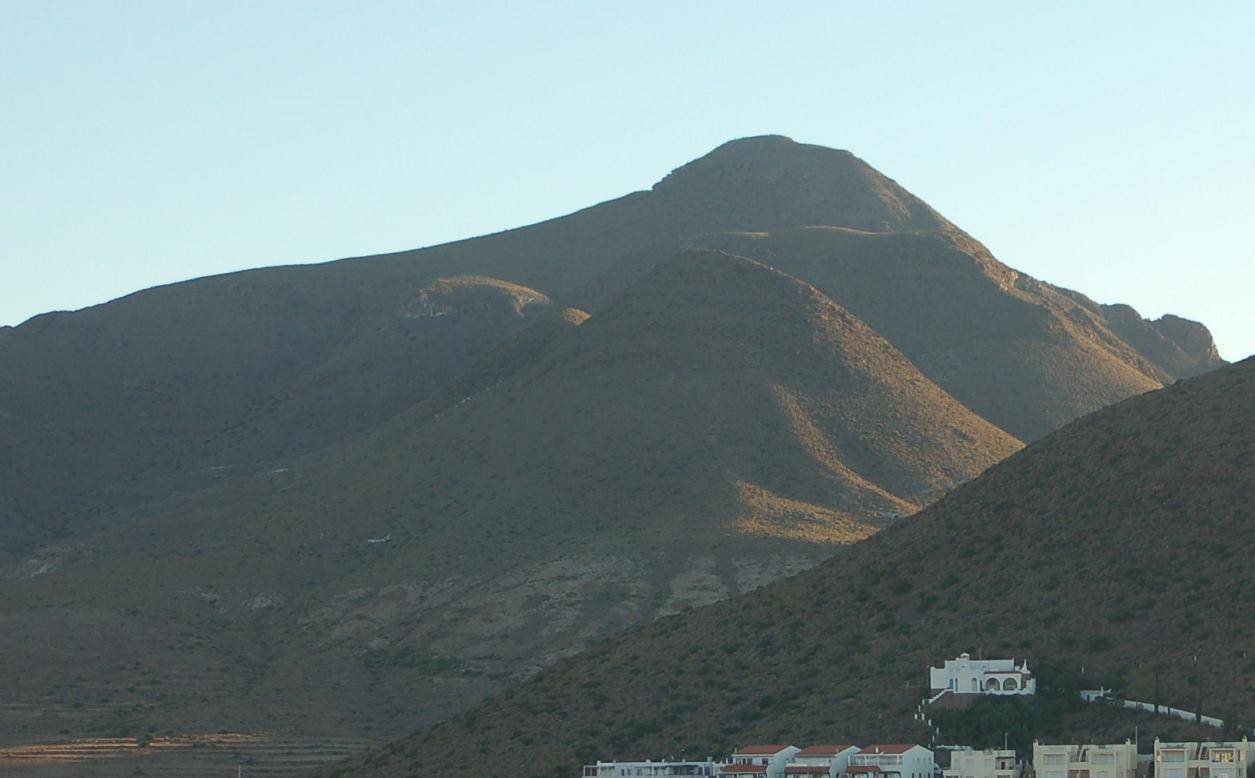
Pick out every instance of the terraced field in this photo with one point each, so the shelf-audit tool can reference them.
(187, 756)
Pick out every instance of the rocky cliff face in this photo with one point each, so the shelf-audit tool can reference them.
(1191, 337)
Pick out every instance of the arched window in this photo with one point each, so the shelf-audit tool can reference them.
(1010, 685)
(992, 685)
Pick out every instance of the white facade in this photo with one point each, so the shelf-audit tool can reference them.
(648, 769)
(818, 761)
(1097, 761)
(990, 763)
(767, 761)
(1203, 760)
(896, 760)
(965, 675)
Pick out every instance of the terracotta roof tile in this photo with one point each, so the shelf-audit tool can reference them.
(825, 750)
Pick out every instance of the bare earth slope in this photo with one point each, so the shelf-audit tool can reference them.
(1120, 543)
(719, 425)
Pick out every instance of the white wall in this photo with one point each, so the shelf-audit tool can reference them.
(965, 675)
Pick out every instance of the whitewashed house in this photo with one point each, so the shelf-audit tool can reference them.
(649, 769)
(758, 761)
(823, 760)
(1094, 761)
(899, 760)
(989, 763)
(1203, 760)
(965, 675)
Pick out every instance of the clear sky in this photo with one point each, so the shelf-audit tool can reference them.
(1108, 147)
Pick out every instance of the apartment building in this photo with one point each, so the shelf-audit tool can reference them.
(819, 761)
(1204, 760)
(758, 761)
(896, 760)
(1116, 760)
(651, 769)
(989, 763)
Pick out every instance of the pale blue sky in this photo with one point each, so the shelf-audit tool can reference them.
(1109, 149)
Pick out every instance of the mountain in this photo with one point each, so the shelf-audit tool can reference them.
(1120, 544)
(1025, 355)
(169, 389)
(355, 498)
(174, 388)
(718, 425)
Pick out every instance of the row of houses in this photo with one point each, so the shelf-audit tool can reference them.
(780, 760)
(1231, 759)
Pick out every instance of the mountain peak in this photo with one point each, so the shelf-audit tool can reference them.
(752, 142)
(771, 181)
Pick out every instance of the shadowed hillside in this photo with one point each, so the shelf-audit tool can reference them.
(173, 389)
(1121, 544)
(717, 426)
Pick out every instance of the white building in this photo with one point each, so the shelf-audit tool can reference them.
(1093, 761)
(900, 760)
(965, 675)
(758, 761)
(825, 760)
(649, 769)
(990, 763)
(1203, 760)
